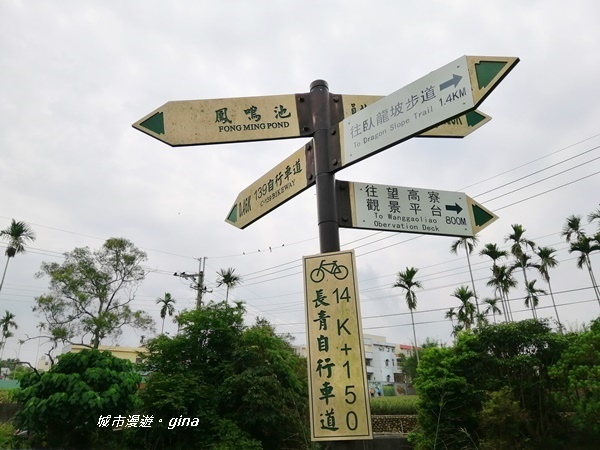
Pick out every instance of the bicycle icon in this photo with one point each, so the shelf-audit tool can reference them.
(335, 269)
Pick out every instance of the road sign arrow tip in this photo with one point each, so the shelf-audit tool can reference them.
(154, 123)
(481, 216)
(232, 216)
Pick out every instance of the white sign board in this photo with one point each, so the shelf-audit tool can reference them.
(415, 210)
(431, 100)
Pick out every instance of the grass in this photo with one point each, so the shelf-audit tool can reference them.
(5, 397)
(397, 405)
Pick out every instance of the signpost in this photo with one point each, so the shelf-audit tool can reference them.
(286, 180)
(339, 394)
(410, 210)
(436, 98)
(198, 122)
(344, 130)
(296, 173)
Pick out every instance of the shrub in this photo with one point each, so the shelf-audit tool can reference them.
(396, 406)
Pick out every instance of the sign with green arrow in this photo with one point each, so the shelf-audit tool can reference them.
(446, 93)
(410, 210)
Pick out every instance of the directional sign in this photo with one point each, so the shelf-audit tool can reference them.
(410, 210)
(436, 98)
(214, 121)
(338, 391)
(459, 127)
(280, 185)
(197, 122)
(286, 180)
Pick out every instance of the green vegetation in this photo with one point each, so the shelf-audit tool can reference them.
(508, 386)
(61, 408)
(397, 405)
(91, 292)
(244, 386)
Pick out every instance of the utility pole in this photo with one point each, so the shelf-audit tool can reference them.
(197, 280)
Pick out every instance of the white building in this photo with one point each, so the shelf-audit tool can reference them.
(381, 359)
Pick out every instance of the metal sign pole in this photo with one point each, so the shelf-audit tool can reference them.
(329, 234)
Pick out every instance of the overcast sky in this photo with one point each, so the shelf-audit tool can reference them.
(75, 74)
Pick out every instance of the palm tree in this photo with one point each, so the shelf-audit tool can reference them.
(494, 253)
(519, 241)
(492, 307)
(469, 244)
(573, 228)
(228, 278)
(167, 308)
(532, 297)
(6, 323)
(502, 281)
(466, 311)
(451, 314)
(594, 215)
(16, 236)
(518, 249)
(585, 246)
(406, 280)
(548, 261)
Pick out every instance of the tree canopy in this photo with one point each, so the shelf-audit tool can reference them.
(61, 408)
(508, 386)
(244, 385)
(91, 293)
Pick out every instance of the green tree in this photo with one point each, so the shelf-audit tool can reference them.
(6, 323)
(91, 293)
(408, 364)
(573, 229)
(518, 248)
(469, 244)
(451, 314)
(466, 310)
(578, 370)
(585, 246)
(594, 215)
(406, 281)
(532, 299)
(455, 385)
(502, 281)
(167, 308)
(494, 253)
(492, 307)
(547, 262)
(228, 278)
(62, 407)
(16, 236)
(245, 385)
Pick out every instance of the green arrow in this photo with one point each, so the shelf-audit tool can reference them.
(481, 216)
(486, 71)
(473, 118)
(232, 217)
(155, 123)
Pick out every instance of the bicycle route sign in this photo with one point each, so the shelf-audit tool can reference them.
(338, 390)
(410, 210)
(445, 93)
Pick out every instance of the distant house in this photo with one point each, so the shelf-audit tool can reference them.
(128, 353)
(406, 350)
(380, 358)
